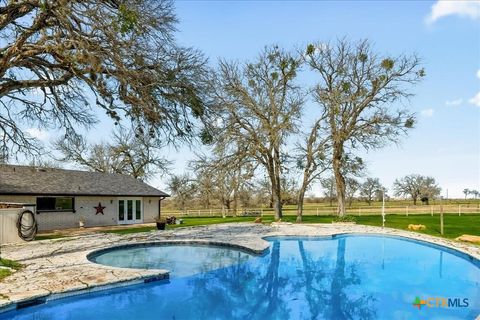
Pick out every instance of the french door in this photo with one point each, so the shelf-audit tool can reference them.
(130, 210)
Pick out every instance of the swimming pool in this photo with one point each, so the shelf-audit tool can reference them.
(340, 277)
(180, 259)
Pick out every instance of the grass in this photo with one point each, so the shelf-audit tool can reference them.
(50, 236)
(454, 225)
(4, 273)
(10, 264)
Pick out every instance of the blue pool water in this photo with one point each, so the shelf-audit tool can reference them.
(345, 277)
(180, 260)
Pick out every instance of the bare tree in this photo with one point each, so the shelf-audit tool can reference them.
(357, 88)
(45, 163)
(264, 191)
(329, 191)
(94, 157)
(134, 153)
(352, 187)
(312, 160)
(370, 189)
(60, 56)
(183, 189)
(262, 105)
(206, 188)
(475, 193)
(228, 174)
(416, 186)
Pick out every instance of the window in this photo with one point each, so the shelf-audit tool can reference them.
(138, 210)
(56, 204)
(121, 210)
(129, 210)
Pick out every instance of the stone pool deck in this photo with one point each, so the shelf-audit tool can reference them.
(59, 267)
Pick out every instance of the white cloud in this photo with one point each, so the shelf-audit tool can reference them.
(427, 113)
(478, 74)
(36, 133)
(475, 100)
(464, 8)
(455, 102)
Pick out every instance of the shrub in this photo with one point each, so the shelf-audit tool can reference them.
(346, 218)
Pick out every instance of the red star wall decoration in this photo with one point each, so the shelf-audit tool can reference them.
(99, 209)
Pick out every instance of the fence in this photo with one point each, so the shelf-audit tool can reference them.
(8, 225)
(463, 209)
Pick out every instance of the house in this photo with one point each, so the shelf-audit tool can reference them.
(64, 197)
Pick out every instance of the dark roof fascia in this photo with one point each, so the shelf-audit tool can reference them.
(81, 194)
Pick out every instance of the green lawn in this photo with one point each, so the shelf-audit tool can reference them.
(8, 263)
(454, 225)
(49, 236)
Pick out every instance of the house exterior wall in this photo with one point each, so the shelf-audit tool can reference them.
(84, 207)
(150, 209)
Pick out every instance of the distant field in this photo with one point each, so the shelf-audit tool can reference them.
(358, 208)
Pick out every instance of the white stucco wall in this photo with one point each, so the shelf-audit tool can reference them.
(85, 209)
(150, 209)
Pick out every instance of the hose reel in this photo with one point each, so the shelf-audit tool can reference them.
(27, 225)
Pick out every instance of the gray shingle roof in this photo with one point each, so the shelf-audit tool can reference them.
(47, 181)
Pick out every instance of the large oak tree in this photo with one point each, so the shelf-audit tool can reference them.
(261, 108)
(61, 58)
(360, 90)
(416, 186)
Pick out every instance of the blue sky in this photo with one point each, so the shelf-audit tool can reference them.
(446, 35)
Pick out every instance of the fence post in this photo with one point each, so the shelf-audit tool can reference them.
(317, 211)
(431, 210)
(406, 211)
(261, 212)
(359, 211)
(459, 210)
(441, 217)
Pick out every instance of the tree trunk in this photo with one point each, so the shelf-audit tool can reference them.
(339, 179)
(277, 204)
(235, 202)
(414, 201)
(275, 183)
(301, 193)
(300, 198)
(223, 208)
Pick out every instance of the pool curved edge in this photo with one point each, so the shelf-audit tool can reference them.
(154, 274)
(207, 243)
(428, 243)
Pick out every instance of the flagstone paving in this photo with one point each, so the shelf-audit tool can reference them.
(60, 266)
